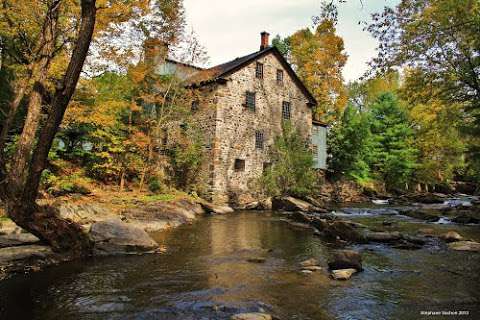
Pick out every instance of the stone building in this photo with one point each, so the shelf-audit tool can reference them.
(240, 106)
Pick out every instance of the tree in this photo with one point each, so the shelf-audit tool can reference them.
(440, 40)
(45, 65)
(318, 58)
(19, 189)
(291, 170)
(349, 142)
(437, 127)
(393, 156)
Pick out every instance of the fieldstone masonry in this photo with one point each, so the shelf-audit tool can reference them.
(229, 126)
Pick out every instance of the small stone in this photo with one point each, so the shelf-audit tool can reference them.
(306, 272)
(251, 316)
(312, 268)
(309, 263)
(343, 274)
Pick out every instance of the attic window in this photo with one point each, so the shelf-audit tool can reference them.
(286, 110)
(259, 139)
(259, 70)
(195, 105)
(250, 100)
(239, 165)
(280, 76)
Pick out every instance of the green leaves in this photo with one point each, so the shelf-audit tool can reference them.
(291, 171)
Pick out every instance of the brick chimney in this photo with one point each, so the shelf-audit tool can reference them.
(264, 40)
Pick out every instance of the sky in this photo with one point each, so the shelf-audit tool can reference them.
(231, 28)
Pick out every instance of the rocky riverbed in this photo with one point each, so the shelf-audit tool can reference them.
(113, 232)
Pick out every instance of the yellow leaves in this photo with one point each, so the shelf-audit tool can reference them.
(319, 59)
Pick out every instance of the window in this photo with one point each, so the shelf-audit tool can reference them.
(250, 103)
(259, 70)
(195, 105)
(280, 76)
(315, 151)
(259, 138)
(286, 110)
(266, 166)
(239, 165)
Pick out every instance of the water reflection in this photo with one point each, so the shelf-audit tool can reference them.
(207, 273)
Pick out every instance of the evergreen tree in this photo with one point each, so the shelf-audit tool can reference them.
(349, 141)
(393, 156)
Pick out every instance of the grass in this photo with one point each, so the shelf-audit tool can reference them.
(158, 197)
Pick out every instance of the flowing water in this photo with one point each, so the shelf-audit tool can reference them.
(205, 273)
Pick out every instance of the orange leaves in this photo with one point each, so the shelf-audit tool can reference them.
(319, 59)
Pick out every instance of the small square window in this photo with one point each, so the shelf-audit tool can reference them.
(280, 76)
(259, 139)
(250, 100)
(195, 105)
(259, 70)
(164, 137)
(286, 110)
(239, 165)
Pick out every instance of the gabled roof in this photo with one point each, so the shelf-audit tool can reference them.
(218, 73)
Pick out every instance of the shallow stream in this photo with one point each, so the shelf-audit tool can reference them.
(205, 273)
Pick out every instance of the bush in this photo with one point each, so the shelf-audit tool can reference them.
(154, 185)
(66, 184)
(291, 172)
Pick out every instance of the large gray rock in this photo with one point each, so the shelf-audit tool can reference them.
(28, 252)
(17, 239)
(118, 237)
(346, 259)
(84, 214)
(341, 230)
(291, 204)
(216, 209)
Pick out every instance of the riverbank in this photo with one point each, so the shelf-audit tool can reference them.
(117, 223)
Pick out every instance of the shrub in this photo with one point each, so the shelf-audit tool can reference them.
(291, 172)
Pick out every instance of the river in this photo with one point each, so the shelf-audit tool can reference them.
(205, 273)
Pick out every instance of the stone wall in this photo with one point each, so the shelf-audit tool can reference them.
(235, 125)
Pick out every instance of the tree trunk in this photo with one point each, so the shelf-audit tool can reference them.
(21, 207)
(34, 109)
(44, 222)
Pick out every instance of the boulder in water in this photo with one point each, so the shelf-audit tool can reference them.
(452, 236)
(342, 230)
(216, 209)
(117, 237)
(346, 259)
(467, 218)
(383, 236)
(465, 246)
(343, 274)
(291, 204)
